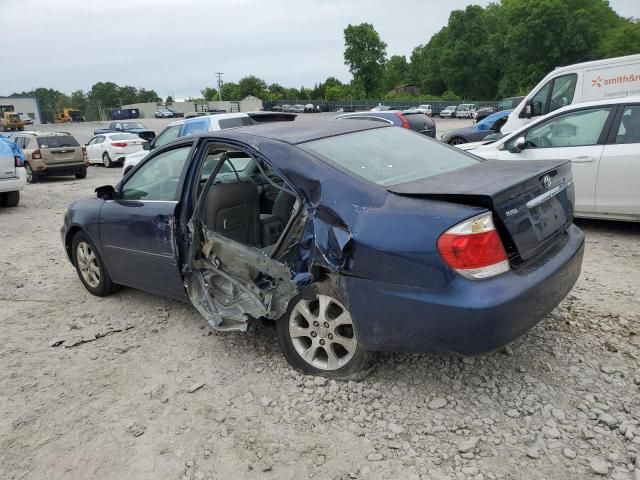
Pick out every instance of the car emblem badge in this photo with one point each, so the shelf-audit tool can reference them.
(546, 181)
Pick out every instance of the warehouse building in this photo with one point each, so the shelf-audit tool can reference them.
(25, 105)
(247, 104)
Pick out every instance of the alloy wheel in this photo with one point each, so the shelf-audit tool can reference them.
(88, 264)
(322, 332)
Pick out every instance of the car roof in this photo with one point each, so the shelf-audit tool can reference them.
(301, 132)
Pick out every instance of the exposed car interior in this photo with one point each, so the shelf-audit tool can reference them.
(246, 201)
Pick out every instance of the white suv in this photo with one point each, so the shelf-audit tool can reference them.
(13, 177)
(208, 123)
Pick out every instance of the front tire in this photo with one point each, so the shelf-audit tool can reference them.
(317, 336)
(457, 141)
(106, 160)
(90, 267)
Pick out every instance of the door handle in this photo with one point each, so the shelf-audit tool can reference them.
(583, 159)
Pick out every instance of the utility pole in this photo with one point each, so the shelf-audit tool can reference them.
(219, 75)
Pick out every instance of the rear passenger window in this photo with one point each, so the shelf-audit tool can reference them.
(193, 128)
(629, 129)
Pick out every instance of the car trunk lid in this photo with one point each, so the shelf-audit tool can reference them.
(60, 149)
(532, 201)
(7, 161)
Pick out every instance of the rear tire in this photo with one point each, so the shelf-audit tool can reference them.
(317, 335)
(11, 199)
(81, 174)
(457, 141)
(106, 160)
(90, 268)
(32, 177)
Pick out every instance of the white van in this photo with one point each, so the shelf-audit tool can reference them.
(582, 82)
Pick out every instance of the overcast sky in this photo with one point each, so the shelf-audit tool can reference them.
(174, 47)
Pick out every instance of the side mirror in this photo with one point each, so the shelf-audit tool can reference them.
(106, 192)
(146, 146)
(519, 145)
(528, 110)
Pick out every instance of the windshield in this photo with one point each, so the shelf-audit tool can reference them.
(57, 141)
(132, 125)
(124, 136)
(389, 156)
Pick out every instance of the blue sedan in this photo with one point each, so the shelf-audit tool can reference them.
(354, 237)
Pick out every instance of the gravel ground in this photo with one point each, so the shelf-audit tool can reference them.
(137, 386)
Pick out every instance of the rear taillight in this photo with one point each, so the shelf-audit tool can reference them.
(84, 151)
(119, 144)
(405, 124)
(36, 155)
(473, 248)
(19, 162)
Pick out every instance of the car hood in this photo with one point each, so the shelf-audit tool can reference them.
(474, 145)
(459, 132)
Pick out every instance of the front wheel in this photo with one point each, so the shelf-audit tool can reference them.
(90, 267)
(317, 336)
(106, 160)
(457, 141)
(10, 199)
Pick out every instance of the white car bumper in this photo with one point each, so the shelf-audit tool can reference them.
(132, 160)
(14, 184)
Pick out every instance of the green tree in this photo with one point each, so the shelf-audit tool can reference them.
(127, 95)
(623, 39)
(252, 85)
(209, 93)
(230, 91)
(79, 100)
(396, 72)
(365, 54)
(147, 96)
(169, 99)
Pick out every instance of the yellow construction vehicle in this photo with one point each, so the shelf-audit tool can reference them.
(68, 115)
(10, 120)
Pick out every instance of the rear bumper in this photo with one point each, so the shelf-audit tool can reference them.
(468, 317)
(14, 184)
(66, 169)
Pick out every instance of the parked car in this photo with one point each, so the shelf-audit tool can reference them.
(111, 148)
(50, 154)
(601, 140)
(380, 108)
(509, 103)
(163, 114)
(465, 110)
(208, 123)
(353, 237)
(411, 119)
(13, 176)
(424, 109)
(129, 127)
(309, 108)
(448, 112)
(26, 119)
(297, 108)
(477, 132)
(276, 108)
(483, 113)
(573, 84)
(176, 113)
(286, 107)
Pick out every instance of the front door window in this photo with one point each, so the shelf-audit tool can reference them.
(158, 179)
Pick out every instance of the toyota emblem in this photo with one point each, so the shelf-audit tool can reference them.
(546, 181)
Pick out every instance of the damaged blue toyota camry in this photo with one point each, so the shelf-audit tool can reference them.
(353, 237)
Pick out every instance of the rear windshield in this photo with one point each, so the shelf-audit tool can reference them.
(132, 125)
(124, 136)
(389, 156)
(57, 141)
(417, 121)
(235, 122)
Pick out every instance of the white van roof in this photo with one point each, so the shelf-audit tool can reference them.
(598, 63)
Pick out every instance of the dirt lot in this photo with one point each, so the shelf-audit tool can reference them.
(158, 395)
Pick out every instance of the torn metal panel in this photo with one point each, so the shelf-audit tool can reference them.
(233, 282)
